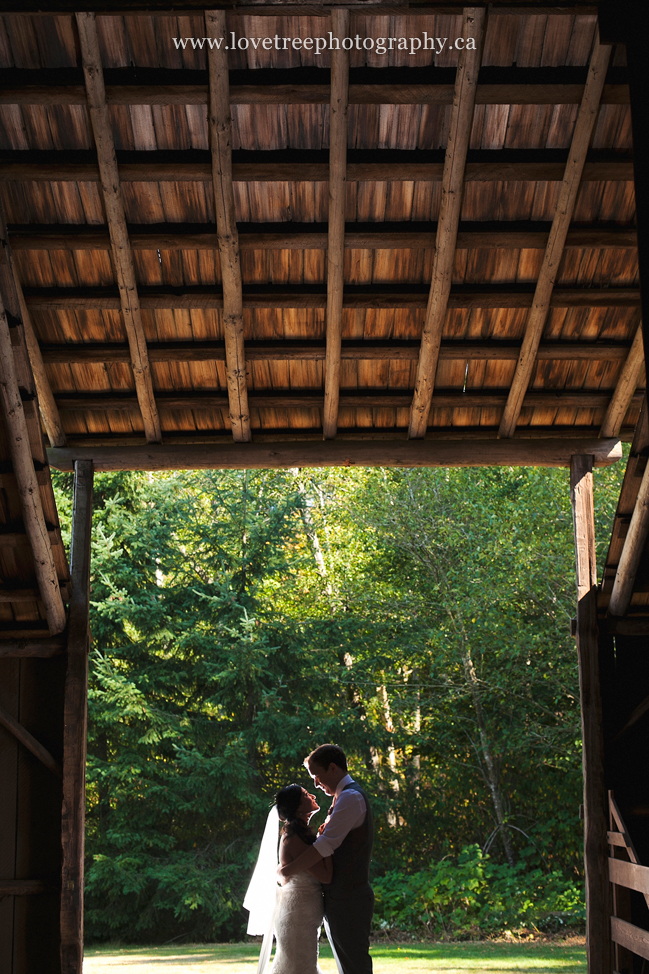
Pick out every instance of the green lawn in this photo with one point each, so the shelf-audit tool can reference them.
(568, 957)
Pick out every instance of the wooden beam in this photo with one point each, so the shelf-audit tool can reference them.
(631, 875)
(507, 93)
(35, 170)
(338, 108)
(75, 723)
(289, 351)
(27, 648)
(145, 8)
(13, 290)
(294, 237)
(598, 908)
(116, 219)
(220, 128)
(46, 404)
(314, 399)
(449, 220)
(341, 453)
(631, 937)
(22, 887)
(537, 317)
(634, 544)
(29, 741)
(152, 299)
(27, 482)
(631, 374)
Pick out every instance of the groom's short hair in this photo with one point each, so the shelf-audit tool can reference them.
(327, 754)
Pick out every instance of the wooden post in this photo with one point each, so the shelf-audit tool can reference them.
(75, 726)
(598, 911)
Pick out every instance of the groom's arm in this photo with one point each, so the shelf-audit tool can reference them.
(308, 858)
(348, 814)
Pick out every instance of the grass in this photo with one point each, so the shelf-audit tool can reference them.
(557, 957)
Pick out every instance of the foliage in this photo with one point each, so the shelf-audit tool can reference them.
(418, 618)
(472, 896)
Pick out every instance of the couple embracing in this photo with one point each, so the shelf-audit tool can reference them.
(323, 877)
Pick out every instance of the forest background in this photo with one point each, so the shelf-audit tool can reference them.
(418, 618)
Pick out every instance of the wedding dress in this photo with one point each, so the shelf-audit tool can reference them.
(297, 922)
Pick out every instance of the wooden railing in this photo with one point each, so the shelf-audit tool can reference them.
(625, 873)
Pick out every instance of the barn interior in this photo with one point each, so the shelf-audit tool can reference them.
(343, 236)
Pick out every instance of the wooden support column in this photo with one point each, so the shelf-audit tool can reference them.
(634, 545)
(625, 388)
(116, 218)
(538, 314)
(598, 909)
(449, 220)
(75, 726)
(338, 109)
(30, 497)
(220, 126)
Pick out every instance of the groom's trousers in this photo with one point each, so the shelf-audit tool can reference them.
(348, 918)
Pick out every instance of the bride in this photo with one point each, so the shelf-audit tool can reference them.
(294, 910)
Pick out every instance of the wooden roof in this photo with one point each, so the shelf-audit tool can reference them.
(296, 300)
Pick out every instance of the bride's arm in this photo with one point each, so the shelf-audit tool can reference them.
(323, 870)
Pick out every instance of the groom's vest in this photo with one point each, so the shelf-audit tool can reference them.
(353, 855)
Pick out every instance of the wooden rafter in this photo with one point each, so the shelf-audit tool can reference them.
(288, 351)
(220, 128)
(537, 317)
(340, 453)
(297, 237)
(634, 545)
(27, 482)
(338, 109)
(116, 218)
(449, 220)
(152, 298)
(24, 166)
(46, 404)
(512, 92)
(358, 399)
(626, 386)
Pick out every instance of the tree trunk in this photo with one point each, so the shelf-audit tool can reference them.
(489, 764)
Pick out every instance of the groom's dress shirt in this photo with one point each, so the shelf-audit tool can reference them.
(347, 812)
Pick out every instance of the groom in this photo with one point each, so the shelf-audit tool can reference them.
(347, 834)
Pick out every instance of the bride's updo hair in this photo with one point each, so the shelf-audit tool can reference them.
(288, 801)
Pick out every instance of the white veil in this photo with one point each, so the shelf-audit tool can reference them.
(261, 897)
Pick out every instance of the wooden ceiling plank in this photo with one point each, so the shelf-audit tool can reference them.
(220, 131)
(338, 111)
(449, 220)
(627, 384)
(538, 314)
(27, 482)
(116, 218)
